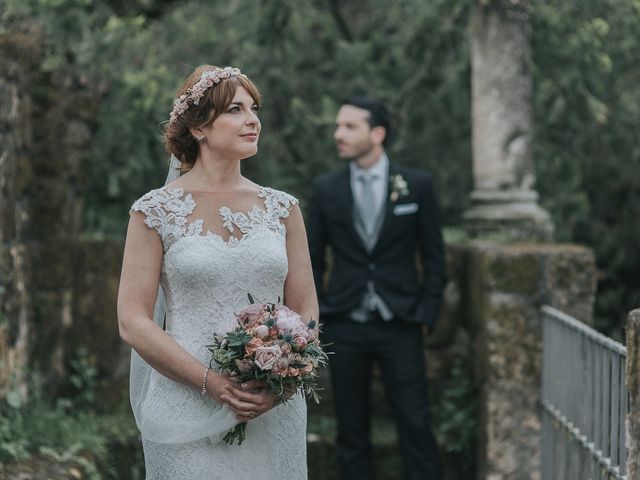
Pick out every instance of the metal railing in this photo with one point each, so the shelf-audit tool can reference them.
(585, 401)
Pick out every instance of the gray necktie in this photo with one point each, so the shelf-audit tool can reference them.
(367, 202)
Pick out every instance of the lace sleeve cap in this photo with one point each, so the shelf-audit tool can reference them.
(151, 206)
(279, 203)
(165, 211)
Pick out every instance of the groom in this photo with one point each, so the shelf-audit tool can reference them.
(379, 298)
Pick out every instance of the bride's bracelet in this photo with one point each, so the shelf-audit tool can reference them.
(204, 382)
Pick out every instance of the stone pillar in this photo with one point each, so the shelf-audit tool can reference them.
(507, 286)
(503, 199)
(633, 385)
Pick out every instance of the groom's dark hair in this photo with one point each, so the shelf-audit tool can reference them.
(379, 115)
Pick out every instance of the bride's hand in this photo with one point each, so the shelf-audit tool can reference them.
(251, 399)
(215, 386)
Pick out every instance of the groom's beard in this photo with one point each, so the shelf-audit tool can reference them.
(362, 152)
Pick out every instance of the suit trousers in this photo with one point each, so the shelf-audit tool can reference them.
(397, 348)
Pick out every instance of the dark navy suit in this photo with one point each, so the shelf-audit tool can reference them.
(407, 267)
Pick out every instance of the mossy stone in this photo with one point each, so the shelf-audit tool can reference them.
(516, 272)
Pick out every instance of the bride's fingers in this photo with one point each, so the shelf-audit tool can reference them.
(239, 406)
(246, 417)
(245, 401)
(251, 385)
(241, 415)
(243, 411)
(248, 396)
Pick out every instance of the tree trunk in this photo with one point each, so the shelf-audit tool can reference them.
(20, 51)
(45, 128)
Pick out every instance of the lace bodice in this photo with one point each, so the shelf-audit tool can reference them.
(217, 248)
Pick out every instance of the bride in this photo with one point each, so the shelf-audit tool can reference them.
(207, 239)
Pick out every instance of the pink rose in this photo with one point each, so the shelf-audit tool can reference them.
(285, 348)
(261, 331)
(288, 320)
(250, 316)
(266, 357)
(300, 340)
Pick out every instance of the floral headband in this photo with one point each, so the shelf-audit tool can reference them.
(192, 96)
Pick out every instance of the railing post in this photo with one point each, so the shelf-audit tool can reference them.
(633, 385)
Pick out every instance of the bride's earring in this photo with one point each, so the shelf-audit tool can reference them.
(201, 139)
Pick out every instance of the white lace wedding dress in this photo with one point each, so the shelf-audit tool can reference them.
(218, 248)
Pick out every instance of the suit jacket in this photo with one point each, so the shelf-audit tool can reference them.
(411, 224)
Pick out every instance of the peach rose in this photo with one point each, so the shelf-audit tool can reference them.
(306, 369)
(244, 366)
(253, 344)
(285, 347)
(266, 357)
(280, 367)
(293, 372)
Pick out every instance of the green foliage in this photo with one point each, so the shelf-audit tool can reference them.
(587, 155)
(67, 429)
(84, 378)
(238, 338)
(412, 54)
(455, 415)
(307, 55)
(61, 433)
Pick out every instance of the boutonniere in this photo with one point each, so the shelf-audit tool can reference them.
(399, 187)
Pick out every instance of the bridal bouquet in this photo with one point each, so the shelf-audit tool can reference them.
(274, 345)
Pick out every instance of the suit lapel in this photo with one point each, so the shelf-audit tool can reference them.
(345, 199)
(388, 209)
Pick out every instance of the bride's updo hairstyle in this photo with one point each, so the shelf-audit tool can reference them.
(204, 95)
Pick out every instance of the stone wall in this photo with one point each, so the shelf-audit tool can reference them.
(507, 285)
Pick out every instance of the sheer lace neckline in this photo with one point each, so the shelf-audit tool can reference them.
(175, 214)
(231, 220)
(206, 192)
